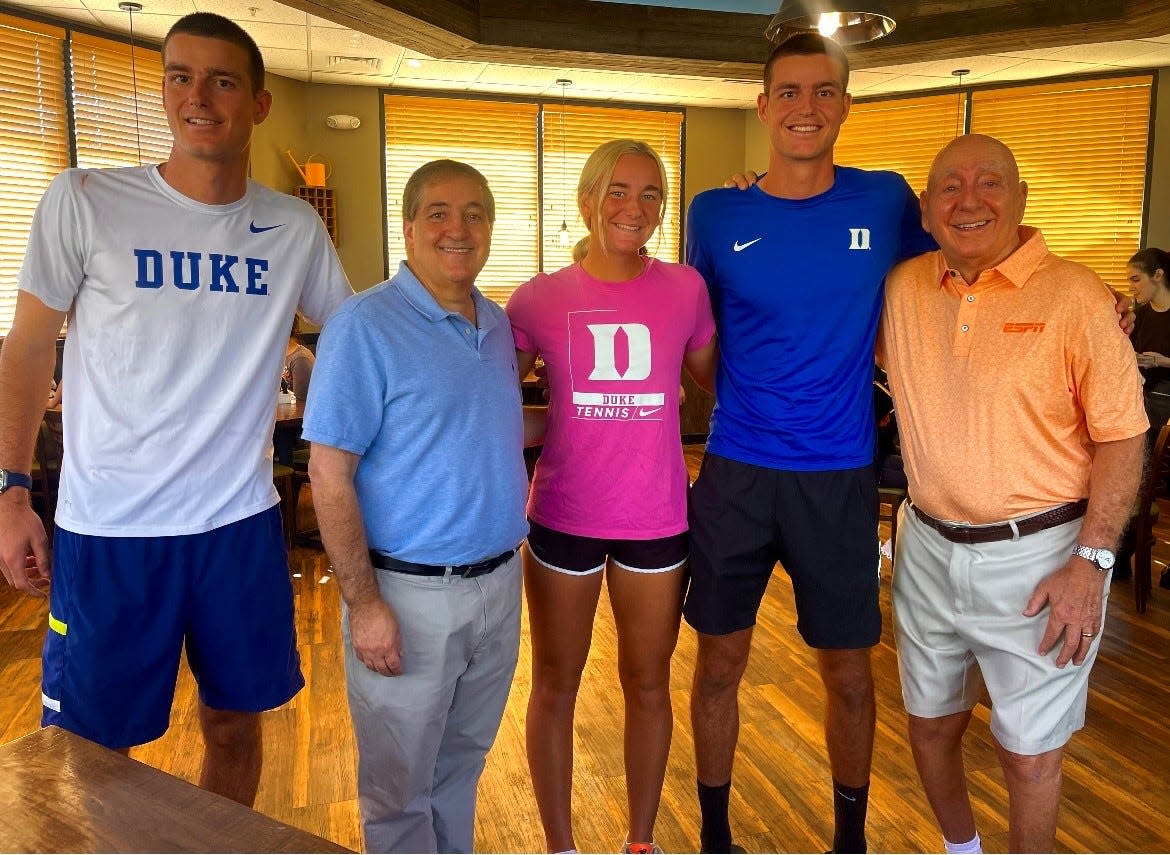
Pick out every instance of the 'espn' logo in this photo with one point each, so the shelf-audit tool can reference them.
(1032, 326)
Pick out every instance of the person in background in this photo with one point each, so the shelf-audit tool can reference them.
(1147, 272)
(1022, 433)
(168, 532)
(298, 362)
(609, 493)
(419, 485)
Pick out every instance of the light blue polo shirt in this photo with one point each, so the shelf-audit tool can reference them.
(431, 403)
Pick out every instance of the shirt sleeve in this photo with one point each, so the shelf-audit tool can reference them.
(704, 329)
(54, 261)
(915, 239)
(521, 314)
(326, 286)
(351, 384)
(1104, 372)
(697, 256)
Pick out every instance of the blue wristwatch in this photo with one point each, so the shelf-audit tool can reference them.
(10, 479)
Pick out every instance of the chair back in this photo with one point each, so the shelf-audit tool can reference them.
(1147, 511)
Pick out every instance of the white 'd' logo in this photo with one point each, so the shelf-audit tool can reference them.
(605, 359)
(859, 238)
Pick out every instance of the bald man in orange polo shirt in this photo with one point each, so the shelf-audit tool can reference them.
(1022, 427)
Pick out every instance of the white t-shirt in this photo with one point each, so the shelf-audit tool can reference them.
(179, 314)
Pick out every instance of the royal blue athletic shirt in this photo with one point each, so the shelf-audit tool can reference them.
(796, 287)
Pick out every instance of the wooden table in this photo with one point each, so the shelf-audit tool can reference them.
(62, 793)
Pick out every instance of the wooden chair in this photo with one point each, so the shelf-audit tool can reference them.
(284, 479)
(46, 472)
(891, 497)
(1147, 512)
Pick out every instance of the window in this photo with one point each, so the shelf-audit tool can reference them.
(496, 137)
(903, 134)
(567, 145)
(110, 131)
(33, 137)
(1081, 147)
(532, 163)
(35, 140)
(1085, 184)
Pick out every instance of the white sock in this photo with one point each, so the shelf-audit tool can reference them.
(971, 847)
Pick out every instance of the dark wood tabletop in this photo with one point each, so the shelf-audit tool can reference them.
(290, 416)
(62, 793)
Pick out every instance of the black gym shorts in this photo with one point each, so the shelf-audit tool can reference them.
(821, 526)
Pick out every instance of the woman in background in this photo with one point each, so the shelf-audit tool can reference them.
(1147, 272)
(609, 490)
(298, 362)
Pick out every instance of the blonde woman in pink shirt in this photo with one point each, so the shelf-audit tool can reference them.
(609, 492)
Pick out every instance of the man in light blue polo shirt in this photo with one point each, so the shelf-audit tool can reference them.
(419, 486)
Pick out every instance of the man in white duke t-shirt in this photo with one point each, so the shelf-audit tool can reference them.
(179, 282)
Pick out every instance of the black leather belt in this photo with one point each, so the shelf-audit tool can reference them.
(468, 571)
(1004, 531)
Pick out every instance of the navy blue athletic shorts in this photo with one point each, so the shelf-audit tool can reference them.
(121, 610)
(821, 526)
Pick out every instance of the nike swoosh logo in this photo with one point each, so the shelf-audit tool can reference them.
(255, 229)
(842, 795)
(740, 247)
(643, 412)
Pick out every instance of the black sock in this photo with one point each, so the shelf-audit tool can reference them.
(715, 835)
(849, 807)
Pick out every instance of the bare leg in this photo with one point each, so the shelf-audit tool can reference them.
(719, 667)
(850, 713)
(937, 744)
(233, 753)
(646, 610)
(560, 613)
(1034, 784)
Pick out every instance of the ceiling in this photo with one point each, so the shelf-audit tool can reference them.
(687, 55)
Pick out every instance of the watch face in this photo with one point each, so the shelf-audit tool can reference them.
(1105, 559)
(3, 480)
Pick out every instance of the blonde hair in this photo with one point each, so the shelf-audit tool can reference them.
(594, 184)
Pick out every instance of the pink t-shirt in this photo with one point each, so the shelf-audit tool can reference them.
(612, 464)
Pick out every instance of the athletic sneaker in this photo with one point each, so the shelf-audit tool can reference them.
(642, 848)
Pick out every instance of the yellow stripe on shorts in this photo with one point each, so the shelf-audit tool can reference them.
(58, 626)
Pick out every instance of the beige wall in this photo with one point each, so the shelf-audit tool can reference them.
(714, 149)
(284, 128)
(297, 123)
(1158, 220)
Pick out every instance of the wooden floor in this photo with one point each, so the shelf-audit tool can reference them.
(1117, 775)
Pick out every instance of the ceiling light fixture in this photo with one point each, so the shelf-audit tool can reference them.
(961, 111)
(130, 9)
(862, 20)
(565, 237)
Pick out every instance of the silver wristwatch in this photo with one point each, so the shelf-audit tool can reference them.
(1104, 559)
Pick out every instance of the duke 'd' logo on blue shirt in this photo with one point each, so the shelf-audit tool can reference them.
(190, 271)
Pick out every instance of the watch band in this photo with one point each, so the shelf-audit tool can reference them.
(10, 479)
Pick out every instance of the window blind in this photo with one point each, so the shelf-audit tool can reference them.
(108, 130)
(570, 135)
(496, 137)
(33, 137)
(902, 134)
(1081, 147)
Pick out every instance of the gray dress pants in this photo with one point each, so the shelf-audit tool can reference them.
(422, 737)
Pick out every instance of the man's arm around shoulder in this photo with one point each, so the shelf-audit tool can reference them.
(374, 630)
(27, 360)
(1075, 591)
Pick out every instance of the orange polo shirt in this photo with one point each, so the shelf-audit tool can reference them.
(1002, 387)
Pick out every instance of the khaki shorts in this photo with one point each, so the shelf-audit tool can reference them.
(958, 624)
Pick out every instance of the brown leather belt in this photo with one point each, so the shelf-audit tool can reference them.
(1004, 531)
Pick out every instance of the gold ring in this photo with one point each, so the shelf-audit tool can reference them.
(1086, 635)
